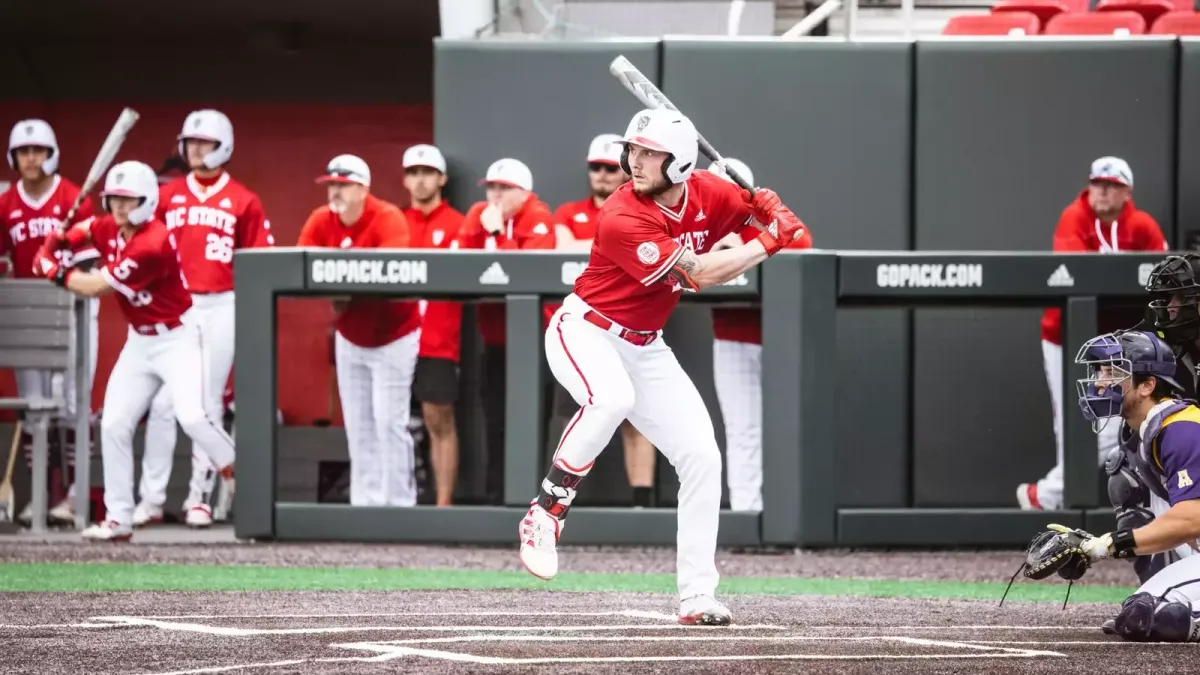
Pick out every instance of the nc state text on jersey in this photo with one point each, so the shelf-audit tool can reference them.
(962, 275)
(202, 215)
(33, 229)
(369, 272)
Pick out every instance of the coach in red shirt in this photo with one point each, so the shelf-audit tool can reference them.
(1102, 219)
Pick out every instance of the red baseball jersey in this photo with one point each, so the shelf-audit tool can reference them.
(144, 271)
(579, 217)
(639, 240)
(210, 220)
(367, 322)
(531, 227)
(744, 324)
(441, 327)
(25, 222)
(1080, 230)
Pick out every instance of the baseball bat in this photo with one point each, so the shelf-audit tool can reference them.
(6, 488)
(651, 97)
(108, 152)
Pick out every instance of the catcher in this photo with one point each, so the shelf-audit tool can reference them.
(1132, 376)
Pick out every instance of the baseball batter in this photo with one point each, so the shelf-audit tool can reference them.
(210, 215)
(165, 346)
(575, 230)
(511, 218)
(376, 341)
(35, 207)
(1132, 379)
(605, 343)
(737, 375)
(433, 223)
(1102, 219)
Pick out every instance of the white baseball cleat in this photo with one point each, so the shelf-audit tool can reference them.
(704, 610)
(1027, 497)
(63, 513)
(539, 538)
(146, 514)
(108, 531)
(199, 516)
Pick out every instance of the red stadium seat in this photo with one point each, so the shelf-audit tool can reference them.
(1005, 23)
(1096, 23)
(1042, 9)
(1177, 23)
(1149, 9)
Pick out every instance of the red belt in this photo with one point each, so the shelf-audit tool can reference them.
(158, 328)
(633, 337)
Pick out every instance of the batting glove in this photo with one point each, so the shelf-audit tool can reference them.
(1117, 544)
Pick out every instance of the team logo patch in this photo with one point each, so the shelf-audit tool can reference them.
(647, 252)
(119, 178)
(643, 122)
(29, 130)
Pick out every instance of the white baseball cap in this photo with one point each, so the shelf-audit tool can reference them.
(1113, 169)
(424, 155)
(346, 169)
(606, 149)
(510, 172)
(737, 165)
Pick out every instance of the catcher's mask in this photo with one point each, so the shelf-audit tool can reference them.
(1112, 360)
(1175, 298)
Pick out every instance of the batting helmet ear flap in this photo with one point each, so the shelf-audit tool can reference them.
(624, 161)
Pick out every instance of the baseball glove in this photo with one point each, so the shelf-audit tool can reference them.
(1059, 550)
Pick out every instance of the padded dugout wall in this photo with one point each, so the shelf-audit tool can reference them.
(1005, 133)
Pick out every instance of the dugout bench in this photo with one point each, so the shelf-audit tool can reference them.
(44, 327)
(799, 293)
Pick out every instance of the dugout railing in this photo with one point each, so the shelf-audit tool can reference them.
(799, 294)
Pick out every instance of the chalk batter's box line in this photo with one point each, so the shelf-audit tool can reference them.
(974, 651)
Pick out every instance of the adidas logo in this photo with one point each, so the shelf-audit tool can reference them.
(494, 275)
(1060, 277)
(700, 216)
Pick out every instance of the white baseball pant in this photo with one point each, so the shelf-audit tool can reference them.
(172, 359)
(50, 384)
(737, 374)
(1179, 581)
(214, 313)
(1050, 487)
(375, 387)
(613, 380)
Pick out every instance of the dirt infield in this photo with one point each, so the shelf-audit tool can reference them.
(832, 564)
(493, 631)
(533, 631)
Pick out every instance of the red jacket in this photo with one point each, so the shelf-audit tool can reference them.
(1080, 229)
(531, 227)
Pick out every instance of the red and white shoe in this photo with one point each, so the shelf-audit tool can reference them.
(539, 540)
(1027, 497)
(199, 516)
(704, 610)
(108, 531)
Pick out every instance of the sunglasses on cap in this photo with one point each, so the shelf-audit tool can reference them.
(603, 166)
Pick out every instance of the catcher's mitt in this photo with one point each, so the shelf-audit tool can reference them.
(1056, 551)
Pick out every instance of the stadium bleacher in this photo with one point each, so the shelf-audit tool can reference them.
(1076, 17)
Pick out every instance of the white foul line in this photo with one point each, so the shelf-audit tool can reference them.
(631, 613)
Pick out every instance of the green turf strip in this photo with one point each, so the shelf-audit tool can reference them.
(131, 577)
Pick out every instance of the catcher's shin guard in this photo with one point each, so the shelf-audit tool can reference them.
(1146, 618)
(558, 491)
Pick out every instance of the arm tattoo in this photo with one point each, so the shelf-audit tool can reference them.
(685, 268)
